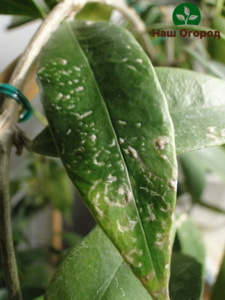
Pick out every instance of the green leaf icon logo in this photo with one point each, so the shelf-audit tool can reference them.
(186, 14)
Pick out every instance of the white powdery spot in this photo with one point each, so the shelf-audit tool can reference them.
(68, 131)
(161, 142)
(133, 255)
(96, 205)
(211, 129)
(79, 89)
(139, 60)
(131, 68)
(128, 47)
(122, 141)
(173, 184)
(70, 82)
(113, 143)
(96, 162)
(77, 68)
(125, 59)
(167, 266)
(132, 152)
(129, 226)
(76, 80)
(122, 122)
(59, 96)
(151, 214)
(111, 178)
(93, 138)
(138, 125)
(63, 61)
(67, 97)
(165, 209)
(222, 132)
(84, 115)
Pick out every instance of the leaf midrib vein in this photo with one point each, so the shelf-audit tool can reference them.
(119, 149)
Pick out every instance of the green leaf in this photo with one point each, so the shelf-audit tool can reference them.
(43, 144)
(110, 121)
(20, 7)
(95, 270)
(190, 239)
(218, 291)
(197, 113)
(186, 278)
(95, 12)
(197, 107)
(19, 20)
(194, 173)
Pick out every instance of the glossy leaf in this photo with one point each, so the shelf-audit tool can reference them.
(186, 278)
(197, 113)
(95, 270)
(190, 239)
(218, 289)
(95, 12)
(19, 20)
(197, 106)
(43, 144)
(20, 7)
(110, 122)
(194, 173)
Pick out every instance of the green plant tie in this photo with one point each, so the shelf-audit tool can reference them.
(16, 94)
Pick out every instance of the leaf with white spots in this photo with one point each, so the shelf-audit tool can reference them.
(197, 107)
(116, 140)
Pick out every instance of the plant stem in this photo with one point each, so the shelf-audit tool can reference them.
(9, 116)
(8, 120)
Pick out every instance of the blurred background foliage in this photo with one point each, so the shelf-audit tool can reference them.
(40, 183)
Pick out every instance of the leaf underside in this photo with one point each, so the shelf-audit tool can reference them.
(110, 122)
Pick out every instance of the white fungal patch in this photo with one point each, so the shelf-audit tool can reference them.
(84, 115)
(111, 179)
(133, 153)
(125, 59)
(128, 47)
(211, 129)
(167, 266)
(96, 162)
(133, 255)
(70, 82)
(173, 184)
(77, 68)
(76, 80)
(59, 96)
(68, 97)
(222, 132)
(68, 131)
(62, 61)
(138, 125)
(161, 142)
(165, 209)
(159, 244)
(131, 68)
(128, 226)
(151, 216)
(79, 89)
(122, 122)
(122, 141)
(139, 60)
(93, 138)
(113, 143)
